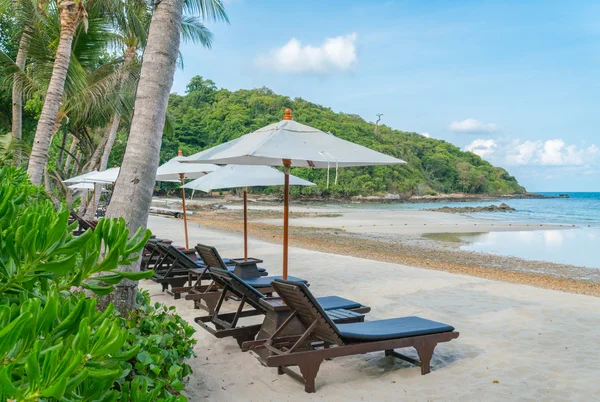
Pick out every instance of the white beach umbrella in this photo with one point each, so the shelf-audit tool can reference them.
(175, 171)
(81, 178)
(107, 176)
(288, 143)
(82, 186)
(233, 176)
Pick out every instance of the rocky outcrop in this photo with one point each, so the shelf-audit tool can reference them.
(467, 210)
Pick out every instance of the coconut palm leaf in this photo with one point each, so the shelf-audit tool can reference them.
(192, 29)
(212, 10)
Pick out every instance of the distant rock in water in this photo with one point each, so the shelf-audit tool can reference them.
(461, 210)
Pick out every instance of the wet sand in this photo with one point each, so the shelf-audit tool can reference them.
(397, 236)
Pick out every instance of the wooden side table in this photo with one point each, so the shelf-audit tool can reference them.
(246, 269)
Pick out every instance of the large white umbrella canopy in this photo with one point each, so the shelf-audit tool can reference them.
(289, 143)
(231, 176)
(301, 145)
(174, 170)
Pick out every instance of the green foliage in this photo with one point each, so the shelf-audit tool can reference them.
(165, 341)
(55, 344)
(206, 116)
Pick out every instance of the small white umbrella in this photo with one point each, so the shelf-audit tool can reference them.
(288, 143)
(174, 170)
(82, 186)
(107, 176)
(81, 178)
(233, 176)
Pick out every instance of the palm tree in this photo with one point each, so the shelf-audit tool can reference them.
(72, 14)
(131, 27)
(24, 15)
(132, 196)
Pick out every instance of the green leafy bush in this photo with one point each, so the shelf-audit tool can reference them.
(55, 344)
(165, 341)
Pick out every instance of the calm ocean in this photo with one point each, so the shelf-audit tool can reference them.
(579, 246)
(580, 209)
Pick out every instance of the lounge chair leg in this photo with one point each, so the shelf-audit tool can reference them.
(425, 351)
(245, 337)
(309, 370)
(280, 370)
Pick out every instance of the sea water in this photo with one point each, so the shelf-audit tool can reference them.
(579, 245)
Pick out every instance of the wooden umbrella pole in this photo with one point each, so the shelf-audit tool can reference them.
(286, 208)
(185, 229)
(245, 224)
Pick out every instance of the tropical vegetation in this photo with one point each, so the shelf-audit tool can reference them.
(206, 116)
(55, 343)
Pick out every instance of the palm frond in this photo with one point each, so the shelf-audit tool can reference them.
(192, 29)
(212, 10)
(179, 62)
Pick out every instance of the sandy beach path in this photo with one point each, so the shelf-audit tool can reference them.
(517, 342)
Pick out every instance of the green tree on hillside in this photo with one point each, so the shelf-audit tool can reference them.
(206, 116)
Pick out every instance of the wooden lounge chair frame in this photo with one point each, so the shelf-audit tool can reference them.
(84, 224)
(290, 351)
(226, 324)
(209, 294)
(177, 267)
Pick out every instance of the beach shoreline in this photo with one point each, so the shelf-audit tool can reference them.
(516, 341)
(383, 239)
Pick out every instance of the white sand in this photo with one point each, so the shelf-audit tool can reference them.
(540, 345)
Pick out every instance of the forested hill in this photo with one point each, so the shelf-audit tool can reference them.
(206, 116)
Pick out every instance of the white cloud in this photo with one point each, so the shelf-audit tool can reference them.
(553, 152)
(426, 134)
(472, 126)
(522, 153)
(482, 147)
(334, 54)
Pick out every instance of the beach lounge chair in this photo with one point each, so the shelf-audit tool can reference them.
(84, 224)
(343, 339)
(172, 267)
(211, 258)
(152, 255)
(223, 325)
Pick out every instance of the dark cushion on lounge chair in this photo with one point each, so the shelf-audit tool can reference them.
(231, 268)
(336, 302)
(265, 281)
(394, 328)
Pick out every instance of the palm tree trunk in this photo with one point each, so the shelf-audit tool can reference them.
(132, 195)
(110, 140)
(17, 92)
(74, 143)
(69, 19)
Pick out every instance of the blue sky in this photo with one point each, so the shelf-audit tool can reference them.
(519, 84)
